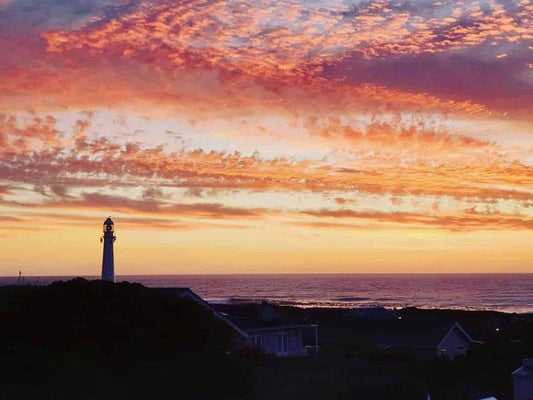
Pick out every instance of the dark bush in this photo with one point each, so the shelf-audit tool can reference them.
(98, 340)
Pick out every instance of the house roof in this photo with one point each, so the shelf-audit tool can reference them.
(526, 369)
(276, 328)
(262, 317)
(371, 313)
(419, 334)
(257, 324)
(186, 292)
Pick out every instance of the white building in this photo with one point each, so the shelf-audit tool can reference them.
(426, 338)
(108, 260)
(523, 381)
(273, 334)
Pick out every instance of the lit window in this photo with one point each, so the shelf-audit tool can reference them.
(256, 341)
(442, 352)
(283, 343)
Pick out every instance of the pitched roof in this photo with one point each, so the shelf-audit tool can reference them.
(256, 324)
(186, 292)
(371, 313)
(261, 317)
(526, 369)
(418, 334)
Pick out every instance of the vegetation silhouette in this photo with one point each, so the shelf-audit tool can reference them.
(101, 340)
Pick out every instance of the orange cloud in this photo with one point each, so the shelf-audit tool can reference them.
(175, 56)
(290, 37)
(96, 201)
(398, 141)
(455, 222)
(86, 162)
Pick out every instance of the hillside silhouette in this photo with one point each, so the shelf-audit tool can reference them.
(95, 339)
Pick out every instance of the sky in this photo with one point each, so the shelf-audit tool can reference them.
(266, 136)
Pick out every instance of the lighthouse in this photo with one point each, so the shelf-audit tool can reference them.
(108, 264)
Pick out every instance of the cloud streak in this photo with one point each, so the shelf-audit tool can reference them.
(315, 117)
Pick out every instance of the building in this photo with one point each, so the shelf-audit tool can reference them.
(108, 262)
(273, 334)
(280, 340)
(427, 338)
(241, 337)
(523, 381)
(259, 327)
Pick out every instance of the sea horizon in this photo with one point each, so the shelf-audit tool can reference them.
(279, 273)
(503, 292)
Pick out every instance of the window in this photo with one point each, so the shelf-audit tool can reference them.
(283, 343)
(256, 341)
(442, 352)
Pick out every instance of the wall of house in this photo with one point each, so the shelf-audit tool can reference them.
(270, 341)
(523, 387)
(455, 344)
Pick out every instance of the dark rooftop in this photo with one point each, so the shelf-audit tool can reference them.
(371, 313)
(259, 317)
(416, 334)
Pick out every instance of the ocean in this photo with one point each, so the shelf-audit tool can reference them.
(499, 292)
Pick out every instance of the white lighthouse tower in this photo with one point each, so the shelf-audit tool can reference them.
(108, 263)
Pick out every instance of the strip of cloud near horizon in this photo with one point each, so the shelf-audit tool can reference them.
(267, 136)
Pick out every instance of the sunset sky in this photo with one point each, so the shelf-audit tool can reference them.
(266, 136)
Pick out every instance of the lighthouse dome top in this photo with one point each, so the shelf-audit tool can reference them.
(108, 225)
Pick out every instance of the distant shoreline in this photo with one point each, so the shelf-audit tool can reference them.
(340, 308)
(337, 308)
